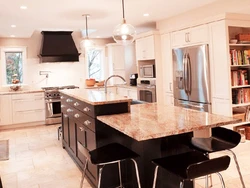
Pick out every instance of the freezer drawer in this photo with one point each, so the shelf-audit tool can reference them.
(193, 105)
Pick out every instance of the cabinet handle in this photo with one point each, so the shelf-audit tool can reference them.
(81, 129)
(66, 116)
(76, 115)
(62, 106)
(62, 97)
(185, 37)
(87, 122)
(68, 100)
(170, 86)
(69, 110)
(86, 109)
(188, 37)
(76, 104)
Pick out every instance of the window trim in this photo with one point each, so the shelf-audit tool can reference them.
(22, 49)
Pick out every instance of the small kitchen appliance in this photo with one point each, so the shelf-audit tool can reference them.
(133, 79)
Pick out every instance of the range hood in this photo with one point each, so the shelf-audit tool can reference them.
(58, 46)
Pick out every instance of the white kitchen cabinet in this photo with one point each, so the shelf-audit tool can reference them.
(167, 63)
(191, 36)
(127, 92)
(221, 107)
(168, 99)
(132, 93)
(5, 110)
(28, 107)
(121, 61)
(145, 48)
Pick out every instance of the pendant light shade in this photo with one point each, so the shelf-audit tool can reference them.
(124, 33)
(86, 42)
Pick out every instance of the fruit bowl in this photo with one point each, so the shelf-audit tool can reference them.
(100, 83)
(90, 82)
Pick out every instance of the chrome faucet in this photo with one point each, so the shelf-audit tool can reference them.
(106, 81)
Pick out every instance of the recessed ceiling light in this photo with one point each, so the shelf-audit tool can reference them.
(23, 7)
(13, 26)
(97, 36)
(146, 14)
(12, 36)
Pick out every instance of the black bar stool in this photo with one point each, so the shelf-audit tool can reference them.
(191, 165)
(109, 154)
(221, 139)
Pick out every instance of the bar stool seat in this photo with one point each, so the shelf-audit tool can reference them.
(221, 139)
(109, 154)
(191, 165)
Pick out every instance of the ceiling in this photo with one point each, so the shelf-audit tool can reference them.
(104, 15)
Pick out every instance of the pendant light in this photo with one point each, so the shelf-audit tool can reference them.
(124, 33)
(86, 42)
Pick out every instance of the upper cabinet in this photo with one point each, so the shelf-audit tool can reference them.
(145, 48)
(191, 36)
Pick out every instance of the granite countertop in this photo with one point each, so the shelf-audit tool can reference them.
(119, 85)
(20, 92)
(95, 97)
(149, 121)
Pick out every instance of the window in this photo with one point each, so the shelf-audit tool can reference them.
(95, 59)
(12, 64)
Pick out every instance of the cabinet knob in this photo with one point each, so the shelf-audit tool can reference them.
(68, 100)
(86, 109)
(87, 122)
(66, 116)
(76, 115)
(62, 97)
(62, 106)
(69, 110)
(81, 129)
(76, 104)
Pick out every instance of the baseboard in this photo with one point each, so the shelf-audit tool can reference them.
(22, 125)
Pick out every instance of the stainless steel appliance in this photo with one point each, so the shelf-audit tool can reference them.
(133, 79)
(53, 103)
(147, 71)
(192, 78)
(146, 91)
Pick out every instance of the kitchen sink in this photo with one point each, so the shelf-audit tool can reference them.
(137, 102)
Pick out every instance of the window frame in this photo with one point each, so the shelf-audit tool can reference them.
(103, 68)
(23, 50)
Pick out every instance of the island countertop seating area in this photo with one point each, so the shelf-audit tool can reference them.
(92, 119)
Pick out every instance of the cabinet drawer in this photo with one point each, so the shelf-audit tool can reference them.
(28, 104)
(28, 116)
(84, 119)
(84, 107)
(28, 95)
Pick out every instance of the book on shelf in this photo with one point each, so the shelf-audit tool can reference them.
(241, 96)
(240, 77)
(240, 57)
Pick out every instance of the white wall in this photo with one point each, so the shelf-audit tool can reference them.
(63, 73)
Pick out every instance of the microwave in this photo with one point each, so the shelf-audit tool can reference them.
(147, 71)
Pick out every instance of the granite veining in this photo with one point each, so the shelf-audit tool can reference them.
(149, 121)
(20, 92)
(95, 97)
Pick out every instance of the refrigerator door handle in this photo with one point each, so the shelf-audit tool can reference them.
(185, 73)
(189, 75)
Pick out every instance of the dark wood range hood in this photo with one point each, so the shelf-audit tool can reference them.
(58, 46)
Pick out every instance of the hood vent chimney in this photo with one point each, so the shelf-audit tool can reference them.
(58, 46)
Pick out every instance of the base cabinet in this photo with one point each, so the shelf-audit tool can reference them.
(82, 133)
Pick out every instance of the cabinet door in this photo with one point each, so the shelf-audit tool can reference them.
(169, 99)
(167, 63)
(132, 94)
(179, 38)
(65, 128)
(28, 116)
(72, 135)
(122, 91)
(199, 34)
(5, 110)
(145, 49)
(221, 107)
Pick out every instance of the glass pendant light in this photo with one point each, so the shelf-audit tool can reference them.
(124, 33)
(86, 42)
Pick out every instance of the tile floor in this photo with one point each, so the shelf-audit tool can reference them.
(37, 160)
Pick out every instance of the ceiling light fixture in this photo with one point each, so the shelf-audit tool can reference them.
(13, 26)
(23, 7)
(86, 42)
(124, 33)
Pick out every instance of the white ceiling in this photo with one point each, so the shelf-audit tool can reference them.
(105, 15)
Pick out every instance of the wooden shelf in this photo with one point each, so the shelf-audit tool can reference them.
(239, 105)
(239, 45)
(240, 65)
(235, 87)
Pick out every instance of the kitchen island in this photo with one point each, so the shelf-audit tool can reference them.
(92, 119)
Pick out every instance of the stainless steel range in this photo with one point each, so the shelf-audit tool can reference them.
(53, 103)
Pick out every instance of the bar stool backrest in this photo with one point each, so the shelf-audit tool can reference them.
(208, 167)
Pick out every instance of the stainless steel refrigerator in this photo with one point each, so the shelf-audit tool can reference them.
(191, 78)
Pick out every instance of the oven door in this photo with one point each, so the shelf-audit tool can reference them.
(146, 93)
(52, 108)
